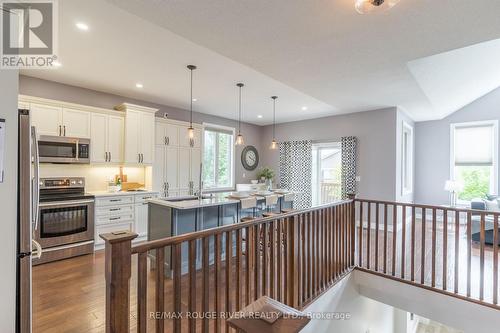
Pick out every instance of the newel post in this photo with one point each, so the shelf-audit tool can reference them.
(292, 244)
(118, 257)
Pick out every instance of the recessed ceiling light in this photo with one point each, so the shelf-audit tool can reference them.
(195, 99)
(139, 85)
(304, 108)
(82, 26)
(259, 116)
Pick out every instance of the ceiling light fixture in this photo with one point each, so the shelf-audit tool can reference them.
(368, 6)
(82, 26)
(190, 128)
(259, 116)
(139, 85)
(274, 143)
(239, 137)
(304, 108)
(195, 100)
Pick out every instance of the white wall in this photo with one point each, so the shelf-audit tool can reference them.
(366, 315)
(400, 118)
(8, 200)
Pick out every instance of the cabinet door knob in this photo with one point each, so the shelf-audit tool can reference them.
(60, 130)
(64, 130)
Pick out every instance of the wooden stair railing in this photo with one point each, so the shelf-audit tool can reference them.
(301, 255)
(431, 247)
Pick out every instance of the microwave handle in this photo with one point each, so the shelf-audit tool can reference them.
(77, 147)
(36, 179)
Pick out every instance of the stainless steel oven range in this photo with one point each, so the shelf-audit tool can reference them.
(66, 227)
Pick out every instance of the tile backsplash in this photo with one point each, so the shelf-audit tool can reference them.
(96, 177)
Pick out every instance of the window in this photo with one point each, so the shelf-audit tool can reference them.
(474, 158)
(218, 158)
(327, 162)
(407, 159)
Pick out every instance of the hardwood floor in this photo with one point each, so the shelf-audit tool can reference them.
(68, 295)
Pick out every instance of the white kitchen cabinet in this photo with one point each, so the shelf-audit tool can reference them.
(184, 168)
(195, 167)
(173, 134)
(139, 134)
(141, 213)
(47, 119)
(166, 134)
(172, 169)
(106, 138)
(159, 170)
(75, 123)
(160, 133)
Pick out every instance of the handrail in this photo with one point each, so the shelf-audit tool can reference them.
(154, 244)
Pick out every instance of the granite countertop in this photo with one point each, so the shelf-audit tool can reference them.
(216, 200)
(114, 194)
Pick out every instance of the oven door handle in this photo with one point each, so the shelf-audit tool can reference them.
(37, 254)
(66, 203)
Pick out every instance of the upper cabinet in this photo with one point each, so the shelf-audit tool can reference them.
(60, 121)
(186, 141)
(139, 133)
(107, 138)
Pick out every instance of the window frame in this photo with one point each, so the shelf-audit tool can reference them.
(232, 130)
(482, 123)
(407, 165)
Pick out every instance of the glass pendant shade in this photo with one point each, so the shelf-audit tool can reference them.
(274, 145)
(191, 132)
(239, 140)
(368, 6)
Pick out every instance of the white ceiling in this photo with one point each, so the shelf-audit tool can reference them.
(320, 53)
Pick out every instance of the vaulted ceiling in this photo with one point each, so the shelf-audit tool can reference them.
(319, 54)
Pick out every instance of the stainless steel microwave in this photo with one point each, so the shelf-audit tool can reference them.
(60, 149)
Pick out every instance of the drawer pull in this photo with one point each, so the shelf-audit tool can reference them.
(114, 218)
(115, 200)
(114, 209)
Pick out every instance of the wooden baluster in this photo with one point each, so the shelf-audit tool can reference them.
(314, 258)
(205, 301)
(301, 260)
(353, 232)
(280, 262)
(368, 232)
(377, 220)
(360, 240)
(343, 237)
(192, 285)
(142, 292)
(394, 237)
(481, 258)
(272, 268)
(385, 239)
(248, 264)
(422, 255)
(265, 259)
(469, 254)
(337, 241)
(328, 245)
(457, 248)
(303, 248)
(160, 287)
(412, 249)
(445, 249)
(322, 256)
(433, 248)
(217, 281)
(257, 257)
(403, 241)
(309, 256)
(292, 262)
(177, 294)
(239, 259)
(229, 268)
(495, 260)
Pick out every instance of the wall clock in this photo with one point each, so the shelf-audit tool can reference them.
(250, 158)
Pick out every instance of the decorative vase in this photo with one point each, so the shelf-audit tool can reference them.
(269, 183)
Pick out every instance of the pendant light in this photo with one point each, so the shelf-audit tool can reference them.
(190, 128)
(274, 143)
(239, 137)
(368, 6)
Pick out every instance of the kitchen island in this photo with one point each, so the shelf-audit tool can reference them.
(180, 215)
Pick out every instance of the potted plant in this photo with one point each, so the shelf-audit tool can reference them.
(266, 175)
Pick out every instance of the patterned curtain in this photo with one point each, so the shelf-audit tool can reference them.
(349, 147)
(296, 171)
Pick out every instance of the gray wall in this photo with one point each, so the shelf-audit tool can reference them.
(8, 201)
(432, 157)
(58, 91)
(376, 133)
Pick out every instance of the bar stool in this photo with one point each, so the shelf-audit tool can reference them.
(271, 202)
(247, 204)
(288, 197)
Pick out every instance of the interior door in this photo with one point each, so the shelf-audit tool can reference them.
(132, 130)
(115, 138)
(76, 123)
(184, 168)
(147, 136)
(46, 119)
(98, 136)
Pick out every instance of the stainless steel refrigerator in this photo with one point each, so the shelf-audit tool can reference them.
(27, 217)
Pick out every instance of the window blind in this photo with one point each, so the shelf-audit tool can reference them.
(474, 145)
